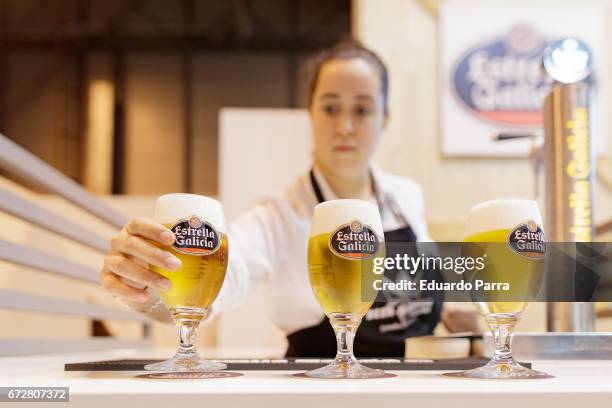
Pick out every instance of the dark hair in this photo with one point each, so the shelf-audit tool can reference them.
(344, 50)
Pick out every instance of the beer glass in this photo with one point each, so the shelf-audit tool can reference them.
(345, 237)
(201, 245)
(509, 234)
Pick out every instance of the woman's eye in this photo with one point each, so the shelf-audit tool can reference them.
(331, 109)
(363, 110)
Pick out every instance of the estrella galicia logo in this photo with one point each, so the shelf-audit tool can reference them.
(528, 240)
(355, 241)
(195, 236)
(501, 81)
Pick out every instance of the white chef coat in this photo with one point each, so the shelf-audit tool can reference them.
(270, 242)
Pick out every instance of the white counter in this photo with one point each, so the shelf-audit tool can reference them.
(579, 384)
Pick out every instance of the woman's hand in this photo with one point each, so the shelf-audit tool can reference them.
(126, 273)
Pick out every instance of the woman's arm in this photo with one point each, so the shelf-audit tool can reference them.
(255, 239)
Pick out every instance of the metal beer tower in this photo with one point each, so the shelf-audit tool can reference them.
(564, 150)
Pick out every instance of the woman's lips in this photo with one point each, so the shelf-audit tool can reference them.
(344, 148)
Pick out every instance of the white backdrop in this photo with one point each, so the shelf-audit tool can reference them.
(468, 24)
(260, 152)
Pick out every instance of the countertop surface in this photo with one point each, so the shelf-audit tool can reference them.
(588, 383)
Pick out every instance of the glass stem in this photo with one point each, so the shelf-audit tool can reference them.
(502, 329)
(345, 328)
(187, 330)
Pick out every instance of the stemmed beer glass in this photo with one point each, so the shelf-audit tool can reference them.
(345, 236)
(201, 245)
(509, 234)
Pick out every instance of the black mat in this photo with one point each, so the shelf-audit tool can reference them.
(292, 364)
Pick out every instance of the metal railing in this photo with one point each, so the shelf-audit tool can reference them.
(19, 162)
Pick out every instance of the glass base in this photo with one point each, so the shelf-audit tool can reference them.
(343, 370)
(181, 363)
(501, 370)
(186, 358)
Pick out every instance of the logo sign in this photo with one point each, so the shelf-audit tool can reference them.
(528, 240)
(195, 236)
(355, 241)
(501, 80)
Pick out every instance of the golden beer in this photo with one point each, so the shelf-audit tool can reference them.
(341, 285)
(198, 281)
(523, 274)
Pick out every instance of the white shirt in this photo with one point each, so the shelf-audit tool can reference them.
(270, 242)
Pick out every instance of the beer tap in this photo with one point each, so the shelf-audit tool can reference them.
(562, 148)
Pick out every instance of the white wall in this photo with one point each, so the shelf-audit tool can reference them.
(260, 152)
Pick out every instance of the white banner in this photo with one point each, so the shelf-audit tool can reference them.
(491, 70)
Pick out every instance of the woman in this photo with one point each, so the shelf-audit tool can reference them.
(348, 107)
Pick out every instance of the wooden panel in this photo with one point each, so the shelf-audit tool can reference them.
(154, 160)
(36, 259)
(21, 162)
(26, 210)
(23, 301)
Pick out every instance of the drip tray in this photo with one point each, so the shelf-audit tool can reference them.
(558, 346)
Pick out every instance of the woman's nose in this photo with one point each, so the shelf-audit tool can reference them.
(345, 125)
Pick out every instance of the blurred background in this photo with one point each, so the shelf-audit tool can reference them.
(144, 80)
(135, 98)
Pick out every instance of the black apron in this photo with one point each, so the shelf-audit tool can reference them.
(388, 323)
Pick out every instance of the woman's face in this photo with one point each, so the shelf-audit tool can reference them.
(347, 114)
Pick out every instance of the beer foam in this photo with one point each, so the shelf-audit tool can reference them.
(330, 215)
(172, 207)
(501, 214)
